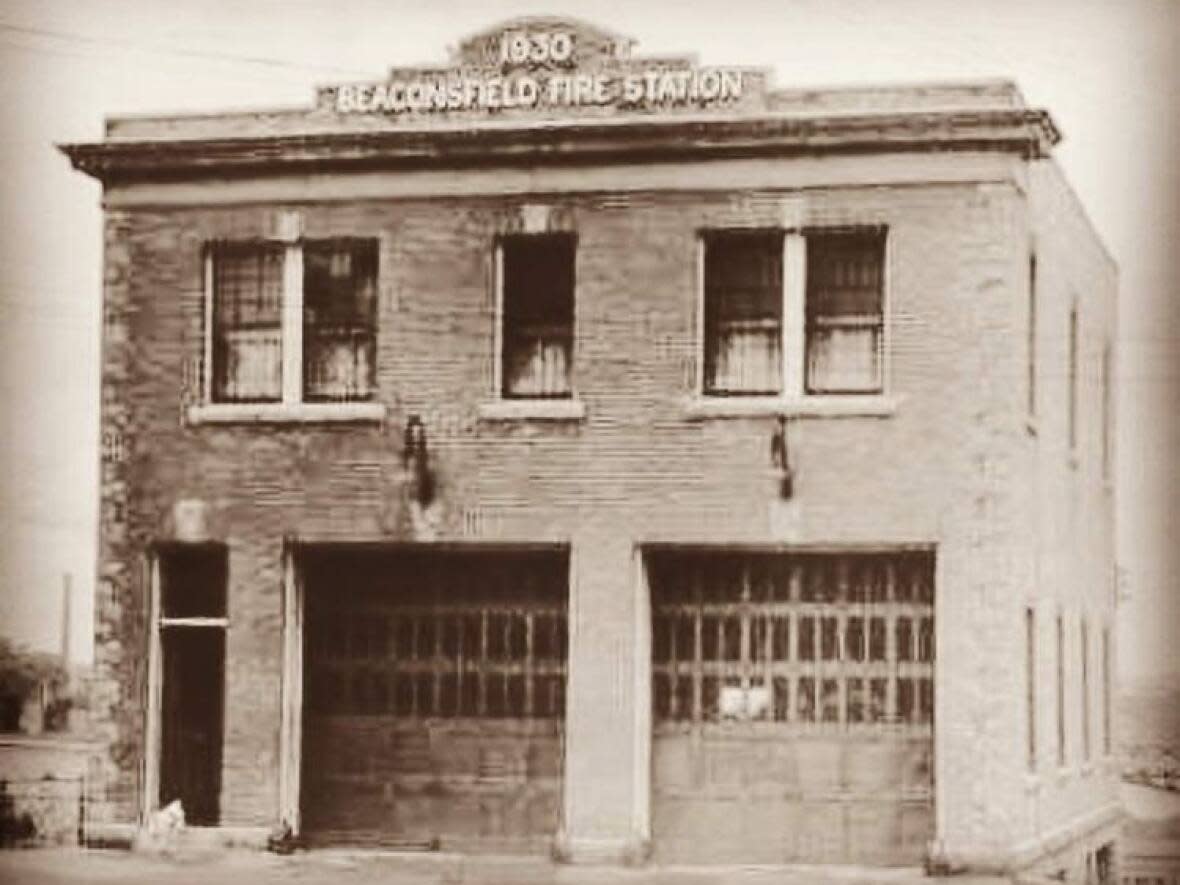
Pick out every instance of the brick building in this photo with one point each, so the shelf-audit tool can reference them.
(562, 449)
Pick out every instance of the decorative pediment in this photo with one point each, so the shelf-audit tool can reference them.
(549, 66)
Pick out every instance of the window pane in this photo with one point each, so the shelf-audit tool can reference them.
(339, 320)
(843, 359)
(743, 313)
(247, 322)
(193, 582)
(538, 315)
(844, 312)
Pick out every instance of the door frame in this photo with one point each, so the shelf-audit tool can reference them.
(293, 657)
(291, 691)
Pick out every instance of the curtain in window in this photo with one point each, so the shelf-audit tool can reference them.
(747, 356)
(538, 315)
(247, 322)
(843, 359)
(538, 363)
(743, 312)
(844, 312)
(339, 320)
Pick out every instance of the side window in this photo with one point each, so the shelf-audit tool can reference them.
(537, 313)
(1072, 393)
(845, 315)
(743, 291)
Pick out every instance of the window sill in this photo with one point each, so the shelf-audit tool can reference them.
(868, 406)
(532, 410)
(285, 413)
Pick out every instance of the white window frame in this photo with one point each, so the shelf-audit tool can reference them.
(290, 406)
(794, 398)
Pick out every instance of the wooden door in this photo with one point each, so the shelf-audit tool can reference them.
(435, 699)
(793, 707)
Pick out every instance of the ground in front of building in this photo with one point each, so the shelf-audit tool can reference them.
(63, 865)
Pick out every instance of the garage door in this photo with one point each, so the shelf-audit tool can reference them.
(793, 706)
(434, 698)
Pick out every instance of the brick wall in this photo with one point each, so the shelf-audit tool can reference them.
(1069, 501)
(945, 467)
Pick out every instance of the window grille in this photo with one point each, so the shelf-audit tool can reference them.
(292, 322)
(339, 320)
(247, 322)
(468, 637)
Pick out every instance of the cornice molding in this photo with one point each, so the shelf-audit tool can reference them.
(1028, 133)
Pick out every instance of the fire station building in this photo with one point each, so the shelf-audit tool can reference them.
(565, 450)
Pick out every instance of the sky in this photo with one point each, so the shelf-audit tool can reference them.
(1109, 72)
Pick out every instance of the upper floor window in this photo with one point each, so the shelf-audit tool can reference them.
(791, 313)
(845, 312)
(743, 312)
(292, 322)
(247, 322)
(339, 320)
(537, 315)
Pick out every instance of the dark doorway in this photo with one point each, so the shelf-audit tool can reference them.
(191, 713)
(192, 643)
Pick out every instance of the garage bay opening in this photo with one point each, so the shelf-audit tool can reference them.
(793, 706)
(434, 696)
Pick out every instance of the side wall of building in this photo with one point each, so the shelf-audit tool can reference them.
(1069, 793)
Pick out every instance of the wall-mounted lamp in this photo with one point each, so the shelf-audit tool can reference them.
(780, 458)
(416, 459)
